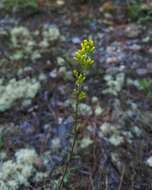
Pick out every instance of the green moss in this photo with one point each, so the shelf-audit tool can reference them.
(10, 4)
(140, 12)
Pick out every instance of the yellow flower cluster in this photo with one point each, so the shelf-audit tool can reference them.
(85, 56)
(80, 77)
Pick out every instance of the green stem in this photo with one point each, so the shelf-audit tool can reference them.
(70, 155)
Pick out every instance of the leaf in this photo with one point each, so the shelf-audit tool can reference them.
(145, 85)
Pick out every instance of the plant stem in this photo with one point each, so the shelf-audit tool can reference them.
(70, 155)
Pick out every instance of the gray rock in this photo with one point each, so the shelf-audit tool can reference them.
(53, 73)
(141, 71)
(76, 40)
(135, 47)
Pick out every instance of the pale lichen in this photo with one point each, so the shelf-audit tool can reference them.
(14, 90)
(18, 173)
(26, 44)
(114, 83)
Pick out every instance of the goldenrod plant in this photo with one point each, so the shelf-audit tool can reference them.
(84, 58)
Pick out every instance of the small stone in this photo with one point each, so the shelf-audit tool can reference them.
(146, 118)
(122, 68)
(85, 142)
(62, 71)
(86, 88)
(53, 74)
(134, 65)
(3, 155)
(135, 47)
(60, 2)
(150, 50)
(60, 61)
(94, 100)
(112, 60)
(149, 161)
(128, 135)
(116, 140)
(149, 67)
(98, 110)
(91, 129)
(107, 129)
(60, 120)
(63, 38)
(47, 127)
(136, 131)
(108, 16)
(48, 62)
(141, 72)
(76, 40)
(116, 160)
(26, 103)
(42, 77)
(131, 82)
(28, 69)
(68, 103)
(3, 33)
(146, 39)
(56, 143)
(20, 71)
(100, 36)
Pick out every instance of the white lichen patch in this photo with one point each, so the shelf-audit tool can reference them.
(85, 110)
(20, 35)
(15, 175)
(50, 33)
(26, 156)
(26, 44)
(14, 90)
(85, 142)
(114, 83)
(107, 129)
(116, 140)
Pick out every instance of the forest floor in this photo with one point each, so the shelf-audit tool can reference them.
(114, 141)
